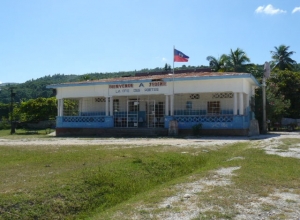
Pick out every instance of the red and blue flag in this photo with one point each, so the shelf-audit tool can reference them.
(180, 57)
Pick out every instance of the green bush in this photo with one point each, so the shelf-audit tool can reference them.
(196, 129)
(4, 124)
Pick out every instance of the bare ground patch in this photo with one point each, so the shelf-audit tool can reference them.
(215, 197)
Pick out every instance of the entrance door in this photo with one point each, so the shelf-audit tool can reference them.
(133, 107)
(145, 113)
(160, 114)
(150, 112)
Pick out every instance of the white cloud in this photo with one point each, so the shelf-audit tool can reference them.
(260, 9)
(164, 59)
(297, 9)
(269, 9)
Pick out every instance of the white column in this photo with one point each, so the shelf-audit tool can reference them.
(172, 104)
(241, 104)
(80, 106)
(234, 103)
(106, 106)
(60, 107)
(247, 100)
(167, 105)
(111, 110)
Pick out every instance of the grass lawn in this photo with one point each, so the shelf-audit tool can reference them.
(22, 133)
(77, 182)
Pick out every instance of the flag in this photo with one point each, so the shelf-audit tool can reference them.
(180, 57)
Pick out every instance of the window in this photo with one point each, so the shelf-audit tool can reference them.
(213, 107)
(71, 107)
(98, 99)
(133, 105)
(189, 105)
(116, 105)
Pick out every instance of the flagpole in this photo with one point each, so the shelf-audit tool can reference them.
(173, 68)
(172, 98)
(173, 58)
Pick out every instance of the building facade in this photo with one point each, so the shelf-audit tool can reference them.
(220, 102)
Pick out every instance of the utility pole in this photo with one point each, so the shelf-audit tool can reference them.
(266, 75)
(264, 130)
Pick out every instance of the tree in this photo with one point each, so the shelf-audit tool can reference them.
(237, 60)
(282, 58)
(297, 67)
(288, 83)
(86, 77)
(4, 110)
(167, 67)
(36, 109)
(256, 70)
(218, 64)
(277, 105)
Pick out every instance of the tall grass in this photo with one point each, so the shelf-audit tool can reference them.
(70, 182)
(122, 179)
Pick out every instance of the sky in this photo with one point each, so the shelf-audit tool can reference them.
(41, 38)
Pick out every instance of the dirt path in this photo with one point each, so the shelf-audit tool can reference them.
(185, 204)
(180, 142)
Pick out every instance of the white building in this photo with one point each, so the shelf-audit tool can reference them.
(220, 102)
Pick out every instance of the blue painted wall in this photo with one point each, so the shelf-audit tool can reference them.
(210, 122)
(184, 121)
(84, 122)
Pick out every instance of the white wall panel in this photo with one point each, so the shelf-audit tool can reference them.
(216, 85)
(165, 88)
(82, 91)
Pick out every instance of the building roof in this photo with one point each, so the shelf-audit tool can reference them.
(162, 77)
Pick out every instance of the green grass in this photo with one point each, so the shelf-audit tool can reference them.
(289, 143)
(67, 182)
(260, 174)
(70, 182)
(22, 133)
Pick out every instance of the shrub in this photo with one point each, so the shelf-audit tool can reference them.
(4, 124)
(196, 129)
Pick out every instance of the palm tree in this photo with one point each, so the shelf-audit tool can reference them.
(238, 59)
(281, 58)
(218, 64)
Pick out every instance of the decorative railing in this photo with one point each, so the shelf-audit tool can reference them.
(92, 113)
(84, 119)
(201, 119)
(201, 112)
